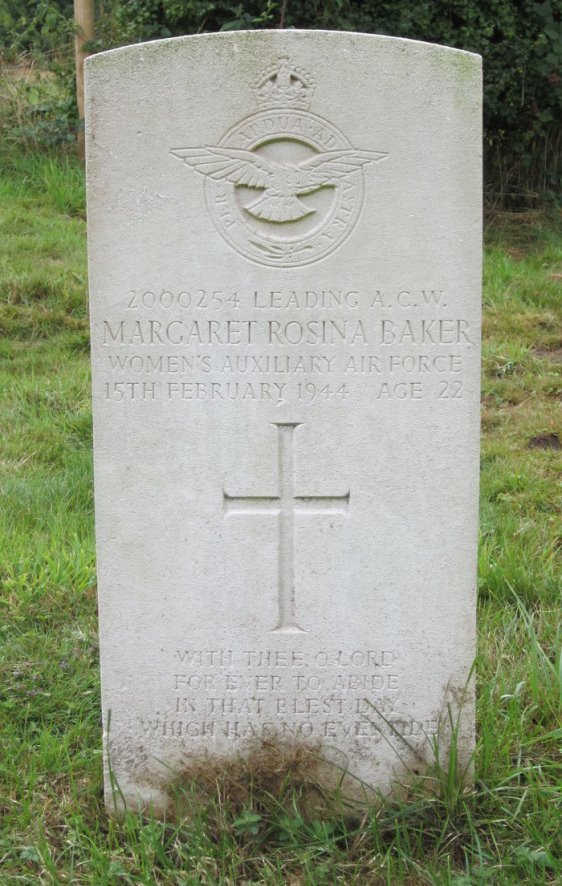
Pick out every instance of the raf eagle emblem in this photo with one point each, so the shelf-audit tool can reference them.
(283, 184)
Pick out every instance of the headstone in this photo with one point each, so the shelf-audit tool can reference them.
(285, 248)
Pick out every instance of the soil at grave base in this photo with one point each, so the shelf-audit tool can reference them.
(552, 354)
(545, 441)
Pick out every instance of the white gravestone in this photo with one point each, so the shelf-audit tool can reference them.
(285, 247)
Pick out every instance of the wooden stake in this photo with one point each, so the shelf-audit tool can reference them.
(84, 23)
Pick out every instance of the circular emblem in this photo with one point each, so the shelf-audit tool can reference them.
(284, 187)
(298, 217)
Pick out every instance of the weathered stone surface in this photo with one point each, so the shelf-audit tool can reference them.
(284, 241)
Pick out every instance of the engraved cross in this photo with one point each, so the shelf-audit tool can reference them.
(285, 505)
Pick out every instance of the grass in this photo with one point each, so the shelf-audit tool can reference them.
(245, 826)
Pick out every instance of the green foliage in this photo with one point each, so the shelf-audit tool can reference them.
(520, 41)
(44, 27)
(131, 21)
(42, 114)
(37, 88)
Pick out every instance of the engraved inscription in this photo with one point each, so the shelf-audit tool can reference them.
(303, 348)
(284, 506)
(329, 694)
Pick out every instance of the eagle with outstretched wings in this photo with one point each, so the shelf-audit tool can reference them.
(282, 183)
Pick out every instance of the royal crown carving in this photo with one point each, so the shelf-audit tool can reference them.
(284, 85)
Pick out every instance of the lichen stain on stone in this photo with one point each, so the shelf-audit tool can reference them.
(315, 778)
(266, 772)
(462, 70)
